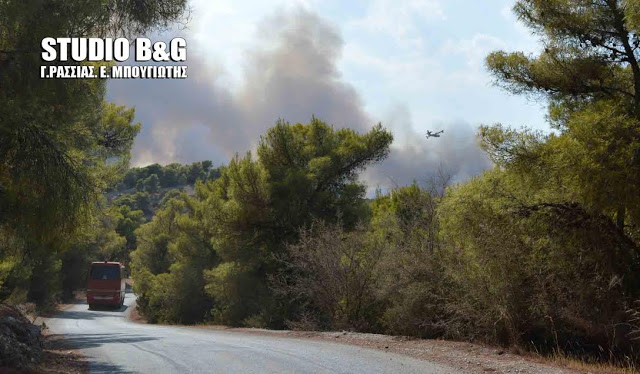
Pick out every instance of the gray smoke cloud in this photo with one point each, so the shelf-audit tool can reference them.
(455, 155)
(290, 73)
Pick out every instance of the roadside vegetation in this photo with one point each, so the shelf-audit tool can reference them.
(541, 252)
(61, 146)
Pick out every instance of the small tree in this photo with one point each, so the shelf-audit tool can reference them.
(152, 184)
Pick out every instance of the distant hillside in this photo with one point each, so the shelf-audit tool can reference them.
(153, 177)
(142, 191)
(147, 188)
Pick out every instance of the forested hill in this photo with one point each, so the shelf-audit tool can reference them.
(146, 188)
(153, 177)
(134, 199)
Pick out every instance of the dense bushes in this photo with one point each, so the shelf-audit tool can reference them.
(553, 275)
(485, 262)
(334, 277)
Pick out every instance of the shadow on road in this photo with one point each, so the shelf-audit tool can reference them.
(103, 367)
(82, 341)
(88, 314)
(108, 308)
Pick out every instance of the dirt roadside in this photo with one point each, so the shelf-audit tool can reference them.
(55, 354)
(467, 357)
(59, 357)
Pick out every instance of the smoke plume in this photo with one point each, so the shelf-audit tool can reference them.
(290, 73)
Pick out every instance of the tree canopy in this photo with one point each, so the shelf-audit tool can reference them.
(303, 172)
(589, 72)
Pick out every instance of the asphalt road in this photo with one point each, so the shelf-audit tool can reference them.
(116, 345)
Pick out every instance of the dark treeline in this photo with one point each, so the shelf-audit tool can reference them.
(541, 252)
(153, 177)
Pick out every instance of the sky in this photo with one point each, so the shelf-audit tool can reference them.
(413, 65)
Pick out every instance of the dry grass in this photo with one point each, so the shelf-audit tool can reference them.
(562, 360)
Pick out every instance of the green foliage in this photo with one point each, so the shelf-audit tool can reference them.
(127, 222)
(387, 276)
(312, 170)
(529, 271)
(238, 293)
(542, 251)
(417, 288)
(169, 263)
(590, 73)
(249, 214)
(587, 47)
(549, 241)
(592, 161)
(304, 172)
(152, 193)
(137, 201)
(169, 176)
(60, 143)
(152, 184)
(55, 132)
